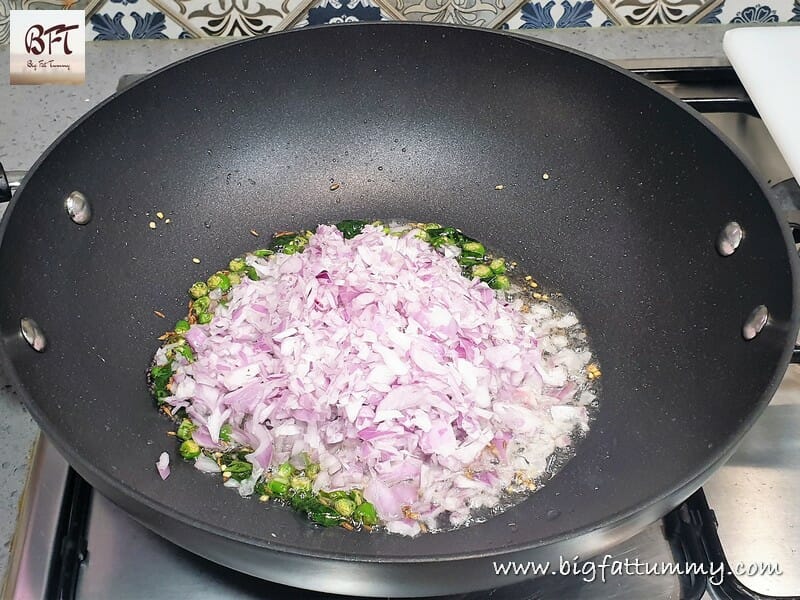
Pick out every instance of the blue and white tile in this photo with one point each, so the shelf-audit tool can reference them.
(748, 12)
(132, 19)
(6, 6)
(328, 12)
(476, 13)
(549, 14)
(87, 5)
(657, 12)
(234, 18)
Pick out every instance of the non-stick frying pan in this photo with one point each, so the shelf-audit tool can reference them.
(419, 122)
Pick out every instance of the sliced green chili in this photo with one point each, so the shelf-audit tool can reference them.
(186, 429)
(365, 513)
(500, 282)
(300, 483)
(201, 304)
(224, 282)
(279, 486)
(498, 266)
(473, 249)
(186, 351)
(344, 506)
(285, 470)
(482, 271)
(198, 290)
(213, 281)
(189, 449)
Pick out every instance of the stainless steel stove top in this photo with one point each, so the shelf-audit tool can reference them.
(73, 543)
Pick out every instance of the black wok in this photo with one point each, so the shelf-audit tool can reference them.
(423, 122)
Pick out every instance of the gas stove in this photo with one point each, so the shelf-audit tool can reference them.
(735, 534)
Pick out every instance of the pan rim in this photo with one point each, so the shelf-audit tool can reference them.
(614, 522)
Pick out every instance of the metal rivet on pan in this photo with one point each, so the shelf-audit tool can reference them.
(729, 238)
(78, 208)
(755, 322)
(33, 334)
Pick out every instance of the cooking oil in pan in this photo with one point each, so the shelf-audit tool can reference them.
(531, 297)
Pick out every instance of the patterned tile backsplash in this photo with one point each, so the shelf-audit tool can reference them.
(176, 19)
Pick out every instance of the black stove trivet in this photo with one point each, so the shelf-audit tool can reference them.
(691, 530)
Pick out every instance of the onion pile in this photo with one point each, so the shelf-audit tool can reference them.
(433, 393)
